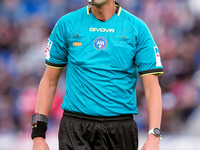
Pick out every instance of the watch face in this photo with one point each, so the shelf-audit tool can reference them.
(157, 132)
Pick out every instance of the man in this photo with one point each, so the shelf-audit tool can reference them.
(103, 46)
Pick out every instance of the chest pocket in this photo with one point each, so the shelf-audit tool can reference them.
(78, 48)
(123, 52)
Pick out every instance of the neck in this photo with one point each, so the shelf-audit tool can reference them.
(105, 11)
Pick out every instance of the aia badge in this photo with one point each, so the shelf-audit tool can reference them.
(158, 60)
(48, 48)
(100, 43)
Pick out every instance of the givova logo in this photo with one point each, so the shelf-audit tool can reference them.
(101, 30)
(100, 43)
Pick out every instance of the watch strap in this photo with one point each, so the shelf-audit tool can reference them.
(39, 117)
(42, 118)
(151, 131)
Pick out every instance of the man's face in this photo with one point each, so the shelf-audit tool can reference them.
(99, 2)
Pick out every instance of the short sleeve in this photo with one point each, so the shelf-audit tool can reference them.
(56, 51)
(147, 58)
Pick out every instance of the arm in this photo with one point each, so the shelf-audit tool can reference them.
(154, 105)
(47, 89)
(46, 92)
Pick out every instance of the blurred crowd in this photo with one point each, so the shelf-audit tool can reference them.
(24, 29)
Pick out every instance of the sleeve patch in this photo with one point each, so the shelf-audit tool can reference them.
(48, 48)
(157, 54)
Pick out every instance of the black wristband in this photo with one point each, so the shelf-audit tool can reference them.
(39, 130)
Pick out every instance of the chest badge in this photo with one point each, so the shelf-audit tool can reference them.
(100, 43)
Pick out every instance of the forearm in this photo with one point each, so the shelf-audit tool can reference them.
(45, 97)
(154, 105)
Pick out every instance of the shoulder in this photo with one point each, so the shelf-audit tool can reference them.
(73, 16)
(132, 19)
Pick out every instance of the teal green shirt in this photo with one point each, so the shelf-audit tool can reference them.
(102, 58)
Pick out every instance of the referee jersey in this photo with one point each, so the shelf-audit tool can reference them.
(102, 58)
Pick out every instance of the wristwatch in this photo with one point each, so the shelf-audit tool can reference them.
(156, 132)
(39, 117)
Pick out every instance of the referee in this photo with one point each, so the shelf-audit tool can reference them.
(104, 47)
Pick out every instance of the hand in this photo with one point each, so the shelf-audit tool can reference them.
(39, 143)
(152, 143)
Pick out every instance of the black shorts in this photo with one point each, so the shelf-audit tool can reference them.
(83, 132)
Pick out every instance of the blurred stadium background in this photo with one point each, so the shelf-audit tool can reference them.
(24, 29)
